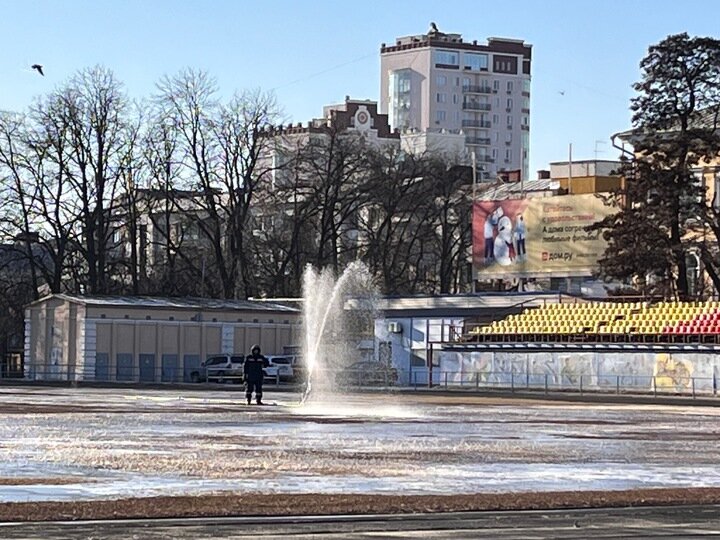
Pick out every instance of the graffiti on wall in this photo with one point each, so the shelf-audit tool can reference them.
(677, 372)
(670, 373)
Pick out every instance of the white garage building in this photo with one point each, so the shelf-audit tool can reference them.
(145, 339)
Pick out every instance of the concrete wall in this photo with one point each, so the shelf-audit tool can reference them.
(599, 370)
(54, 343)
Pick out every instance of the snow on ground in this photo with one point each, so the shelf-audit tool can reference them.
(72, 444)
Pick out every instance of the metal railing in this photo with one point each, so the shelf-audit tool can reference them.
(589, 337)
(417, 378)
(149, 375)
(470, 105)
(477, 140)
(476, 123)
(617, 384)
(477, 89)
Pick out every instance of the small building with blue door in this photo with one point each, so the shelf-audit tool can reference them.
(146, 339)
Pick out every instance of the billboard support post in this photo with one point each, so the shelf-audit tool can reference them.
(570, 190)
(472, 215)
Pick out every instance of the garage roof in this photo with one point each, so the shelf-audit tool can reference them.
(155, 302)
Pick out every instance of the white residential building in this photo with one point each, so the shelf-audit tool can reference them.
(439, 82)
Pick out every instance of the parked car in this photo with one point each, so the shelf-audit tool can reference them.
(367, 373)
(287, 366)
(220, 368)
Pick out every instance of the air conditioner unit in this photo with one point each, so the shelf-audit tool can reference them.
(394, 327)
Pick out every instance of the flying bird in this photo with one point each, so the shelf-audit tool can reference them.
(38, 68)
(561, 92)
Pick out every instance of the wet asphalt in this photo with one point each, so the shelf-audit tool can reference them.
(648, 522)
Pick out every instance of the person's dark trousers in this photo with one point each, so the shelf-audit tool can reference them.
(489, 248)
(521, 246)
(253, 386)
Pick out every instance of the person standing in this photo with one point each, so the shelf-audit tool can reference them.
(520, 232)
(489, 234)
(254, 367)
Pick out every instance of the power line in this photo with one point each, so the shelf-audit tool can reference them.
(324, 71)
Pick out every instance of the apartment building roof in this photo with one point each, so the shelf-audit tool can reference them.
(435, 38)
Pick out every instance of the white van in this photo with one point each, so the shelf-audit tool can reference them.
(287, 366)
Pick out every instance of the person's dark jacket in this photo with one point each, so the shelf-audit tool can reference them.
(253, 368)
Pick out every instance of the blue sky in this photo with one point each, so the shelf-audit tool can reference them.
(315, 53)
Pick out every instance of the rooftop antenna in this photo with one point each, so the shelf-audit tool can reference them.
(597, 150)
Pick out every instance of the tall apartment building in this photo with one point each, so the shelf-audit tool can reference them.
(437, 82)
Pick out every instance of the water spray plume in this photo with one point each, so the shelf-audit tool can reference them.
(324, 312)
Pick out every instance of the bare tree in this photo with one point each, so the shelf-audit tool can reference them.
(451, 215)
(219, 149)
(394, 222)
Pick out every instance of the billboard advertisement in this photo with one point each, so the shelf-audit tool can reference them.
(539, 236)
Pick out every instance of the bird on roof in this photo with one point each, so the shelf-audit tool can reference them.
(433, 28)
(38, 68)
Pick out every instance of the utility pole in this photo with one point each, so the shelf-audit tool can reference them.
(474, 174)
(570, 169)
(522, 170)
(597, 150)
(472, 216)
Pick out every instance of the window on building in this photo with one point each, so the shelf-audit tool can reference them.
(399, 102)
(455, 98)
(441, 98)
(402, 81)
(526, 85)
(526, 120)
(509, 121)
(496, 85)
(457, 81)
(440, 116)
(496, 136)
(475, 61)
(441, 80)
(509, 86)
(696, 188)
(509, 104)
(508, 137)
(447, 58)
(466, 82)
(508, 154)
(505, 64)
(496, 119)
(494, 153)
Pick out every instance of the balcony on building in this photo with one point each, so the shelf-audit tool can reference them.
(484, 124)
(473, 106)
(478, 141)
(476, 89)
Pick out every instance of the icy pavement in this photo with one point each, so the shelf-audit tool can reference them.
(73, 444)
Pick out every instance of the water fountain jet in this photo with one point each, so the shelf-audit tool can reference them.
(325, 316)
